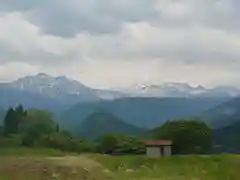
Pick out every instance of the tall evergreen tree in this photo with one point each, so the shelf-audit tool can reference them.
(9, 122)
(20, 115)
(13, 120)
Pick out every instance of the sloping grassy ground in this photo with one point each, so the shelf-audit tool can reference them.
(47, 164)
(222, 167)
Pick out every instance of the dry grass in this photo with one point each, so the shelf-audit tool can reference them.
(61, 168)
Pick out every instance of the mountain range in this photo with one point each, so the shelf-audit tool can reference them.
(62, 91)
(148, 104)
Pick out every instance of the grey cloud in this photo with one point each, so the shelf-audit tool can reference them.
(187, 48)
(67, 18)
(219, 14)
(23, 5)
(35, 57)
(222, 16)
(186, 55)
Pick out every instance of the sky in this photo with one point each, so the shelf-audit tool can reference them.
(114, 44)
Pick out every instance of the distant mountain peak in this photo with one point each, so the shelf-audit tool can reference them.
(43, 75)
(61, 87)
(62, 78)
(200, 87)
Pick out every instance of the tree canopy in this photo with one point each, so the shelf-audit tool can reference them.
(37, 123)
(36, 127)
(191, 136)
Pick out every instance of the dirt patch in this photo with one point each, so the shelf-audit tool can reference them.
(64, 168)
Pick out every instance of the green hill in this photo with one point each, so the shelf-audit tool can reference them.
(99, 124)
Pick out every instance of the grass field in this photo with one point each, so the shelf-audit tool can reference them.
(45, 164)
(224, 167)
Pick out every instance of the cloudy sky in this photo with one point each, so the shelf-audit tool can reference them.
(117, 43)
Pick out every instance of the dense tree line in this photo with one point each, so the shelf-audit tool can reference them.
(36, 128)
(120, 144)
(14, 120)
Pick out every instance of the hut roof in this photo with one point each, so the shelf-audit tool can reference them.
(158, 143)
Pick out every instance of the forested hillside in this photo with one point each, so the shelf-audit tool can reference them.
(228, 138)
(222, 115)
(141, 112)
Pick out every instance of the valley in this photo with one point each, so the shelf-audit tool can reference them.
(81, 109)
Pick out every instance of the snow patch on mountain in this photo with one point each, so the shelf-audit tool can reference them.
(172, 89)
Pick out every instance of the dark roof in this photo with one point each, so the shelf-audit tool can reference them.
(158, 143)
